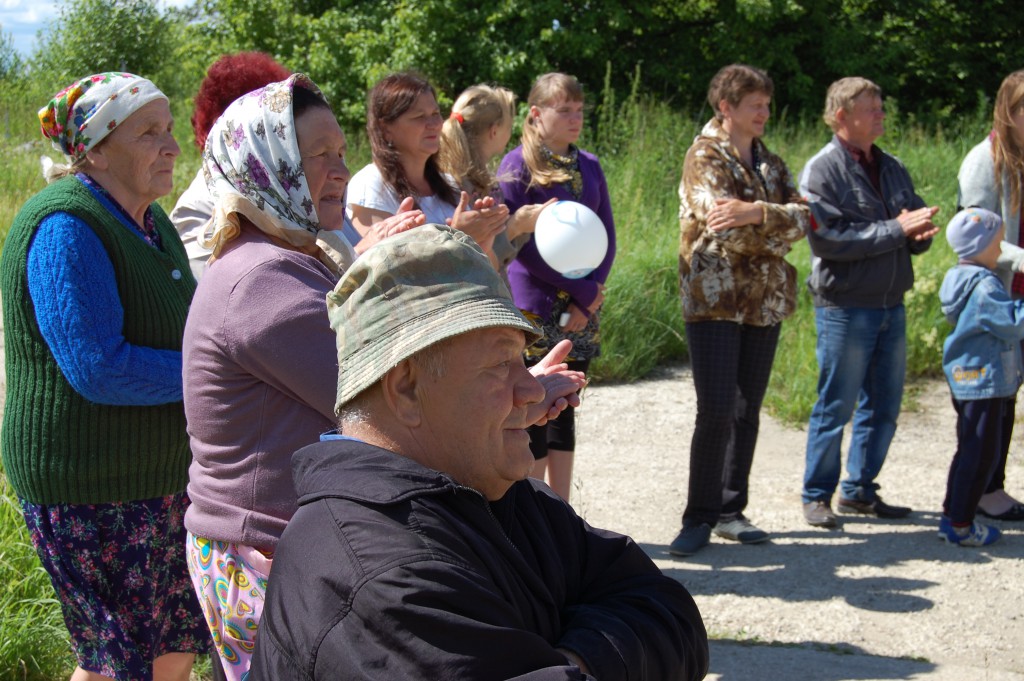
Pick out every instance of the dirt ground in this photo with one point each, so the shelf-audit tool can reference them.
(876, 599)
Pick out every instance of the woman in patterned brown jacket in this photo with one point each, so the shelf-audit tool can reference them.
(739, 215)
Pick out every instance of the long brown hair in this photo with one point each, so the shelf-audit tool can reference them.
(389, 99)
(478, 109)
(1007, 154)
(547, 90)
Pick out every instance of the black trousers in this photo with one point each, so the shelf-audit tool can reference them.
(731, 366)
(983, 429)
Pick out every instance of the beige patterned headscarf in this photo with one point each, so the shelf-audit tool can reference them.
(253, 168)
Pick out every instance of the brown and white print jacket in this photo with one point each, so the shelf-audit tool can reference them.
(737, 274)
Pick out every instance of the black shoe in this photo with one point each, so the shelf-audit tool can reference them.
(875, 507)
(819, 514)
(690, 540)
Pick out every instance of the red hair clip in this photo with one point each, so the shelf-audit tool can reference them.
(457, 116)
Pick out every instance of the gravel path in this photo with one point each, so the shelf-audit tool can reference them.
(876, 599)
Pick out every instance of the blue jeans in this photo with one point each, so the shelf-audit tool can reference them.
(862, 359)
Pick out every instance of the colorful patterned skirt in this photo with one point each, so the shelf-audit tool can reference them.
(231, 581)
(121, 580)
(586, 343)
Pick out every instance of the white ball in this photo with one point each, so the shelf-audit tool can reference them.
(571, 239)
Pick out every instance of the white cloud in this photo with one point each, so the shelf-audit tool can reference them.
(19, 14)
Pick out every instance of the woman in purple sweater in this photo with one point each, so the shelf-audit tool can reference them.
(260, 360)
(260, 365)
(549, 165)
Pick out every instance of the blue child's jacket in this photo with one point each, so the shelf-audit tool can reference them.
(981, 356)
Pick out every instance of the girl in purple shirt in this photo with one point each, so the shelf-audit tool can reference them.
(549, 165)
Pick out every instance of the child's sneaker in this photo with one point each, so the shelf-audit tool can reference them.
(975, 535)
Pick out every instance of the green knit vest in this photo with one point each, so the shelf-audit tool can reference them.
(57, 446)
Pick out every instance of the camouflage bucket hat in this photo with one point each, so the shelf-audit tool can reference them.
(409, 292)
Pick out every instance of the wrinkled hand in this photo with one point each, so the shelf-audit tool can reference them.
(729, 213)
(917, 224)
(560, 384)
(406, 218)
(483, 222)
(524, 220)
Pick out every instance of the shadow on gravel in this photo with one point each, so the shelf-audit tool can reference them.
(744, 661)
(809, 565)
(844, 563)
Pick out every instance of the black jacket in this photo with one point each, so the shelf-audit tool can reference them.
(390, 570)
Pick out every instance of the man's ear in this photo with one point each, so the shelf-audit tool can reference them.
(841, 116)
(399, 388)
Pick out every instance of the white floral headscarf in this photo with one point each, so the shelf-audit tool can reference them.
(253, 168)
(81, 115)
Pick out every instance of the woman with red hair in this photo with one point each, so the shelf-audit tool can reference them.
(227, 79)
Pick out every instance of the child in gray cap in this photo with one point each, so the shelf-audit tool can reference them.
(982, 362)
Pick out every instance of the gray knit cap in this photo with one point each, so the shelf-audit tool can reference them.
(971, 231)
(409, 292)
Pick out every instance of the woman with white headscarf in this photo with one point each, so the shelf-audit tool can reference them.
(260, 356)
(260, 360)
(96, 287)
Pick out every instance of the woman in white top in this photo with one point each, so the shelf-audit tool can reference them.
(992, 177)
(403, 122)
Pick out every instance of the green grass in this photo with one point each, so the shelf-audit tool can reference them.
(641, 144)
(33, 640)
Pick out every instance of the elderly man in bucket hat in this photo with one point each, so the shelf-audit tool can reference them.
(421, 550)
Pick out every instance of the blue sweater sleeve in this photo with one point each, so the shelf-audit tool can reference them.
(78, 309)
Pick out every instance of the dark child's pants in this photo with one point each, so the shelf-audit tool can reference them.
(983, 429)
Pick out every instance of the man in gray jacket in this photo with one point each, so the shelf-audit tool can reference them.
(866, 222)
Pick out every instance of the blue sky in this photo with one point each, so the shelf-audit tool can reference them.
(23, 18)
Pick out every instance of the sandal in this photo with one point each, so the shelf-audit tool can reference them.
(1015, 512)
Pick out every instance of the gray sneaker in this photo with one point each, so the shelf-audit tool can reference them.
(819, 514)
(740, 529)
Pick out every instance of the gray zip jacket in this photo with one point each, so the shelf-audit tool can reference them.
(859, 254)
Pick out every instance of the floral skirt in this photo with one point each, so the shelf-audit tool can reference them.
(120, 576)
(586, 343)
(231, 581)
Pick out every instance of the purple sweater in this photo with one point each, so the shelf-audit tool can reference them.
(260, 377)
(535, 285)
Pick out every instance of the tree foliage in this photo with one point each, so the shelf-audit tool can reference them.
(10, 60)
(91, 36)
(934, 56)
